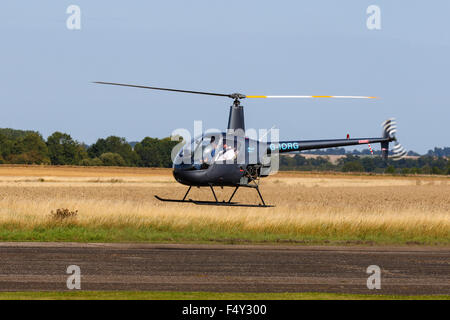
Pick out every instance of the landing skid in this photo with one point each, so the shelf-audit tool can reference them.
(219, 203)
(230, 204)
(173, 200)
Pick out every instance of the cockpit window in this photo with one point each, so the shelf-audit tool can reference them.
(209, 149)
(203, 152)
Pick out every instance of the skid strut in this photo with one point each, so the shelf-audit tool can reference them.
(214, 194)
(234, 192)
(187, 193)
(220, 203)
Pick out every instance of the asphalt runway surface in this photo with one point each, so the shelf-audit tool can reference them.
(224, 268)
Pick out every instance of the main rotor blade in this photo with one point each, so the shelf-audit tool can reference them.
(232, 96)
(307, 97)
(165, 89)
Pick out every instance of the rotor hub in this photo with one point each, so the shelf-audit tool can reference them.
(237, 96)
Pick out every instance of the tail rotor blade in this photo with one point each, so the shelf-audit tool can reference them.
(390, 126)
(388, 122)
(399, 152)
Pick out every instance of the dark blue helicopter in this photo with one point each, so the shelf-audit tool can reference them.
(230, 159)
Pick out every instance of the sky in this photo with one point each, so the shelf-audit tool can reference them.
(255, 47)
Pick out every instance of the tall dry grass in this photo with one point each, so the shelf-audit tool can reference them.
(319, 206)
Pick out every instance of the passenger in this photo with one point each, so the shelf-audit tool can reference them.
(209, 152)
(213, 146)
(227, 154)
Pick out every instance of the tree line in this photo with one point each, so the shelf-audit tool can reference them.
(354, 163)
(436, 152)
(29, 147)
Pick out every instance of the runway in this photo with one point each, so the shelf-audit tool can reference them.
(225, 268)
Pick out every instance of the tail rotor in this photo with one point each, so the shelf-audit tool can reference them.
(389, 131)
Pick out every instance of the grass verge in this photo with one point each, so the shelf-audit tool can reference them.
(159, 234)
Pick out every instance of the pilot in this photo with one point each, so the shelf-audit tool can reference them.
(213, 145)
(209, 153)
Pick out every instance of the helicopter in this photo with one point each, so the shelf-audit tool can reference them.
(231, 159)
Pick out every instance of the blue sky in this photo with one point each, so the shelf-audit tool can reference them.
(252, 47)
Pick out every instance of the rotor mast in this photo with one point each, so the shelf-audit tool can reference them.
(236, 121)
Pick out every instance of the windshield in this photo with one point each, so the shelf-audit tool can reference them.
(200, 154)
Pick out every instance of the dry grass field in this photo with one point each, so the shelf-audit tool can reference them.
(118, 204)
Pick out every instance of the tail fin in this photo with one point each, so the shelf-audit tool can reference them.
(389, 130)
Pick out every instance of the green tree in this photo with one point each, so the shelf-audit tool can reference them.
(390, 170)
(91, 162)
(112, 159)
(6, 146)
(14, 134)
(63, 149)
(353, 166)
(117, 145)
(149, 151)
(436, 170)
(30, 149)
(154, 152)
(426, 169)
(167, 146)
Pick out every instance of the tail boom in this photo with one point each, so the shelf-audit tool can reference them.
(301, 145)
(388, 135)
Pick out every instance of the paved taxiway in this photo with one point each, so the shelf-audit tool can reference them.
(232, 268)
